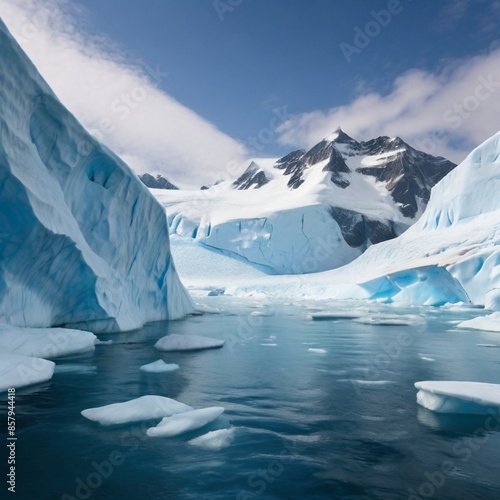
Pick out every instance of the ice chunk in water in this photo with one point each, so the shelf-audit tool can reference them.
(458, 397)
(214, 440)
(159, 367)
(135, 410)
(185, 422)
(176, 342)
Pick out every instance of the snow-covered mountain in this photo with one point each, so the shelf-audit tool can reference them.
(82, 241)
(156, 181)
(451, 254)
(311, 210)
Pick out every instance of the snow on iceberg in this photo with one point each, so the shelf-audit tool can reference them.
(185, 422)
(175, 342)
(83, 242)
(459, 397)
(46, 342)
(19, 371)
(135, 410)
(490, 323)
(214, 440)
(159, 367)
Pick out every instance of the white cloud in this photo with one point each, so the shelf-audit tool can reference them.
(446, 113)
(118, 102)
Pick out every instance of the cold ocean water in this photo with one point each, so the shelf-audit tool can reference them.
(319, 409)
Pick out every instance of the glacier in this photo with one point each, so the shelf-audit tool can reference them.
(82, 241)
(450, 255)
(310, 211)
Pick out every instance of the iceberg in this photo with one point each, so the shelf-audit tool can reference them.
(490, 323)
(159, 367)
(185, 422)
(136, 410)
(459, 397)
(214, 440)
(175, 342)
(83, 242)
(19, 371)
(46, 342)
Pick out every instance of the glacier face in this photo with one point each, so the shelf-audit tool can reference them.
(311, 211)
(82, 241)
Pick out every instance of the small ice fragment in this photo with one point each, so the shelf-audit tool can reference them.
(185, 422)
(159, 367)
(214, 440)
(175, 342)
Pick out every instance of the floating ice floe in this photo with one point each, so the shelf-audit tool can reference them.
(338, 315)
(159, 367)
(185, 422)
(76, 369)
(490, 323)
(176, 342)
(458, 397)
(317, 350)
(46, 342)
(214, 440)
(135, 410)
(19, 371)
(207, 309)
(390, 320)
(425, 358)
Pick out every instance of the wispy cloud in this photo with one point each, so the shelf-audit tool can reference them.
(450, 15)
(120, 103)
(445, 113)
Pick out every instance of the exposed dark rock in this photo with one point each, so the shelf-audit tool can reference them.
(359, 230)
(157, 182)
(409, 174)
(253, 176)
(337, 166)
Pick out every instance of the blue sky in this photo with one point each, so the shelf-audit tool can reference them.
(265, 54)
(269, 77)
